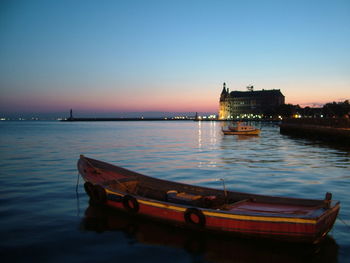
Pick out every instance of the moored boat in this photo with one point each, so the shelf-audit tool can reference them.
(240, 129)
(202, 208)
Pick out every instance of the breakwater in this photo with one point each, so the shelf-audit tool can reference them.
(334, 130)
(127, 119)
(92, 119)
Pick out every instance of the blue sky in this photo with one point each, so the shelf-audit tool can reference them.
(121, 56)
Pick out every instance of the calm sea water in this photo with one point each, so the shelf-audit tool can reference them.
(44, 219)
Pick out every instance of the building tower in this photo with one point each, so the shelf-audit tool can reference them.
(224, 103)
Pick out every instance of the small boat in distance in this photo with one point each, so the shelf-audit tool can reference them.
(240, 129)
(208, 209)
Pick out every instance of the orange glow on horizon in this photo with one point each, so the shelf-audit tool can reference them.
(199, 98)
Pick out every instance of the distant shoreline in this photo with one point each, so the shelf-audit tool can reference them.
(159, 119)
(126, 119)
(98, 119)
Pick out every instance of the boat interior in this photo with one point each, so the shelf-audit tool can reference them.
(215, 199)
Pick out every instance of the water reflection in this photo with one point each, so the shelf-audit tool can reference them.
(272, 164)
(210, 247)
(207, 135)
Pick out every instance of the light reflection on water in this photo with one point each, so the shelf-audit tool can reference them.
(38, 205)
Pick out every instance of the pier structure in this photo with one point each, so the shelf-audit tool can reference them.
(333, 130)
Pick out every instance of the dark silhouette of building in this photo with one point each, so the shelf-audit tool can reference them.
(250, 103)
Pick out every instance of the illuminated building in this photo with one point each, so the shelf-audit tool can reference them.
(248, 104)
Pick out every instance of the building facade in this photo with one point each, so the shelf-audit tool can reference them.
(246, 104)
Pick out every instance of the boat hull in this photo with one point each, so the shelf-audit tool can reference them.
(252, 132)
(258, 216)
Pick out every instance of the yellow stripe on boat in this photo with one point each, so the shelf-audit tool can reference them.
(261, 218)
(112, 193)
(172, 207)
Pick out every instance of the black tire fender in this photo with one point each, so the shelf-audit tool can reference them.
(89, 187)
(192, 213)
(130, 203)
(98, 195)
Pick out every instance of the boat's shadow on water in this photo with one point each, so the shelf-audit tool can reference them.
(211, 247)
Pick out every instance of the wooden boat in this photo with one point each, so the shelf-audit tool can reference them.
(212, 247)
(240, 129)
(202, 208)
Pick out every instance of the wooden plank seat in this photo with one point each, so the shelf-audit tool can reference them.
(173, 196)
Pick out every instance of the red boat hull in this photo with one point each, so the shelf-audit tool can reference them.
(287, 219)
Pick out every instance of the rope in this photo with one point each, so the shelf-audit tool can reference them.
(76, 187)
(77, 194)
(225, 192)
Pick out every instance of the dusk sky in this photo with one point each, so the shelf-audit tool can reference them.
(169, 56)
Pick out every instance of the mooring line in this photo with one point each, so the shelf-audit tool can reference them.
(76, 187)
(77, 193)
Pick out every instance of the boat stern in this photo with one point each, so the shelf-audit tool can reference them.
(326, 221)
